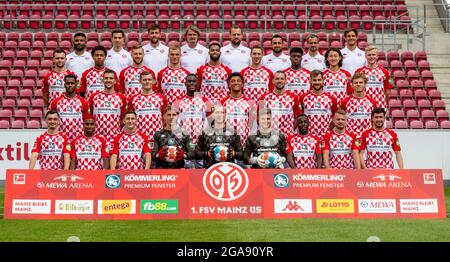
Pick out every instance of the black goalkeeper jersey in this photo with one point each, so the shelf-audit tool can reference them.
(271, 142)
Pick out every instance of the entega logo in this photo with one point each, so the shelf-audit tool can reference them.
(112, 181)
(281, 180)
(116, 207)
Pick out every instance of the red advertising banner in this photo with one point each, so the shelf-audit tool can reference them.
(224, 191)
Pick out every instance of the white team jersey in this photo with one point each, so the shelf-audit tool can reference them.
(79, 63)
(314, 62)
(235, 58)
(276, 63)
(193, 58)
(118, 60)
(156, 58)
(353, 59)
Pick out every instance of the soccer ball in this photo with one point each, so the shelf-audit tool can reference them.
(220, 153)
(270, 159)
(171, 154)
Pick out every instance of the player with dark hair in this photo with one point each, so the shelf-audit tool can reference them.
(131, 148)
(171, 145)
(379, 142)
(129, 79)
(92, 79)
(218, 143)
(155, 53)
(108, 108)
(297, 77)
(318, 106)
(336, 81)
(71, 108)
(54, 80)
(148, 106)
(79, 60)
(358, 106)
(213, 76)
(117, 57)
(235, 55)
(353, 56)
(313, 60)
(303, 149)
(52, 148)
(266, 143)
(276, 61)
(89, 150)
(283, 104)
(257, 78)
(340, 147)
(193, 54)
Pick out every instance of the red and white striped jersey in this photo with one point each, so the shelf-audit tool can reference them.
(129, 80)
(337, 84)
(285, 108)
(51, 149)
(304, 150)
(192, 115)
(238, 115)
(379, 146)
(378, 82)
(54, 84)
(130, 150)
(213, 81)
(297, 81)
(108, 110)
(320, 110)
(92, 82)
(340, 147)
(89, 151)
(71, 113)
(171, 82)
(257, 82)
(359, 112)
(149, 109)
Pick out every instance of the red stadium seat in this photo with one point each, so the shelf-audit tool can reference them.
(420, 56)
(442, 115)
(423, 105)
(401, 124)
(33, 124)
(430, 84)
(438, 105)
(393, 55)
(388, 124)
(416, 124)
(428, 115)
(407, 56)
(445, 124)
(409, 104)
(395, 104)
(4, 124)
(412, 114)
(431, 124)
(410, 65)
(426, 75)
(18, 124)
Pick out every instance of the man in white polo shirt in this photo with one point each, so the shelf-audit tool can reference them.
(313, 60)
(276, 61)
(79, 60)
(354, 57)
(118, 58)
(235, 55)
(155, 53)
(193, 54)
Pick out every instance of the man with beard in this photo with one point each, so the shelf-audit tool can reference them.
(297, 78)
(358, 106)
(89, 150)
(266, 140)
(213, 76)
(235, 55)
(378, 85)
(353, 56)
(193, 54)
(92, 79)
(218, 143)
(318, 106)
(51, 148)
(171, 145)
(71, 109)
(108, 108)
(131, 148)
(129, 78)
(283, 104)
(240, 110)
(118, 58)
(276, 61)
(303, 149)
(54, 80)
(171, 79)
(79, 60)
(155, 53)
(257, 78)
(313, 60)
(379, 142)
(340, 149)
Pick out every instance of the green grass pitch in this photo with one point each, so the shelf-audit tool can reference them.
(228, 230)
